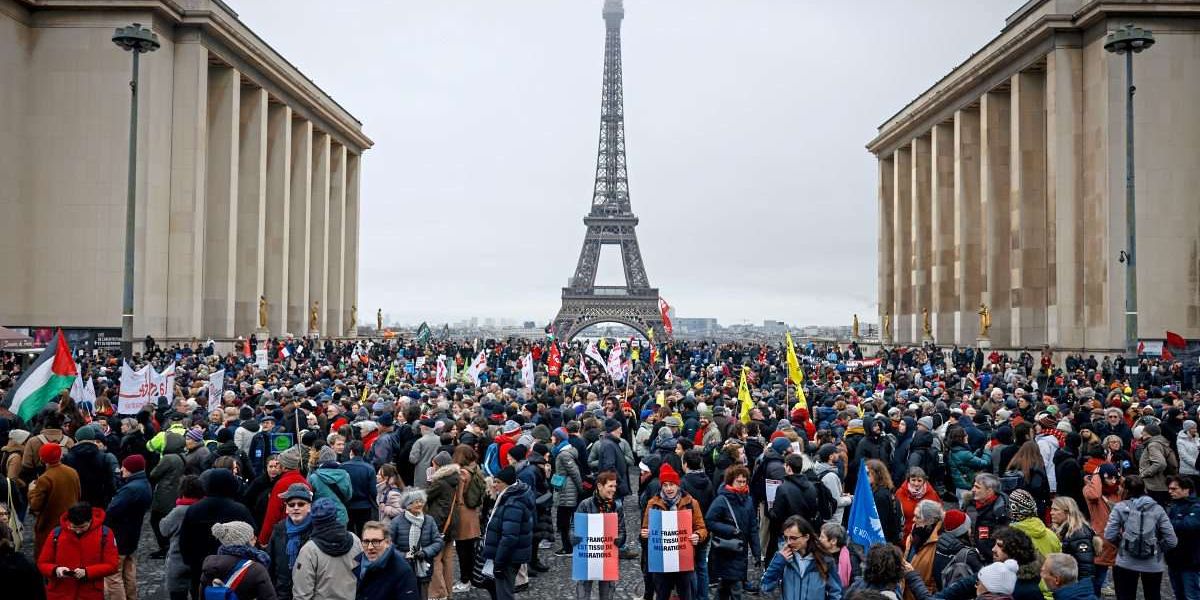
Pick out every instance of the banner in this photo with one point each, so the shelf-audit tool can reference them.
(593, 353)
(143, 386)
(527, 377)
(216, 389)
(595, 558)
(669, 547)
(865, 527)
(477, 367)
(260, 358)
(554, 362)
(440, 376)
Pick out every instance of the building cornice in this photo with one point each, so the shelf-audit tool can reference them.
(221, 24)
(1032, 30)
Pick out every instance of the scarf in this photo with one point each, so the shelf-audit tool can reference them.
(415, 524)
(843, 566)
(368, 564)
(917, 491)
(247, 552)
(558, 448)
(294, 532)
(332, 537)
(186, 501)
(605, 506)
(671, 502)
(745, 489)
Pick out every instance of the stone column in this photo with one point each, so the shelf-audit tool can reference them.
(887, 250)
(299, 222)
(1028, 208)
(942, 290)
(968, 225)
(922, 232)
(189, 154)
(337, 240)
(221, 214)
(995, 139)
(278, 223)
(1064, 114)
(902, 236)
(318, 256)
(353, 205)
(252, 208)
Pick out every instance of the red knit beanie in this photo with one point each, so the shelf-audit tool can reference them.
(667, 474)
(50, 454)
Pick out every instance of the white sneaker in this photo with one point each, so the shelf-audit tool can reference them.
(461, 587)
(545, 545)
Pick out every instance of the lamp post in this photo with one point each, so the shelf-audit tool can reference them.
(1129, 40)
(137, 39)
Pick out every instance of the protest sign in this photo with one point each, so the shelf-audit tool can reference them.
(216, 389)
(595, 558)
(772, 489)
(143, 386)
(669, 549)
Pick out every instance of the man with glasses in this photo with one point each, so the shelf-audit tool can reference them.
(1183, 561)
(288, 536)
(383, 574)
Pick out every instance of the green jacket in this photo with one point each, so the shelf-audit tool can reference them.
(159, 442)
(964, 464)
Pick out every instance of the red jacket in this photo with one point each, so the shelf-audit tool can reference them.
(908, 504)
(95, 552)
(275, 508)
(504, 443)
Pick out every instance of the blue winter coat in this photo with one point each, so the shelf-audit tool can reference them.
(1185, 519)
(508, 537)
(362, 483)
(392, 580)
(127, 510)
(1080, 590)
(806, 586)
(431, 542)
(725, 508)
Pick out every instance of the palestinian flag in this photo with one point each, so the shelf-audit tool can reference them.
(53, 372)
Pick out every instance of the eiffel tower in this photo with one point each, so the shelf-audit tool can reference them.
(611, 220)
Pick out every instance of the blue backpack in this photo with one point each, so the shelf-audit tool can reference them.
(228, 591)
(491, 460)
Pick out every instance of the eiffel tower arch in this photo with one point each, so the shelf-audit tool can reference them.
(611, 220)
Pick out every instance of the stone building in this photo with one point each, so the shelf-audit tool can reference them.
(1004, 184)
(247, 175)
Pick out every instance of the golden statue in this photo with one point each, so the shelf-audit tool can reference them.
(262, 312)
(854, 327)
(985, 320)
(379, 320)
(886, 331)
(313, 319)
(353, 317)
(925, 327)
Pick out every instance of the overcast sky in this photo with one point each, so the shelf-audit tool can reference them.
(746, 122)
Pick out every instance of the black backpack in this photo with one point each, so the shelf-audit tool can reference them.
(826, 503)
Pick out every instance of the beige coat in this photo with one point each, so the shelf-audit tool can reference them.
(318, 576)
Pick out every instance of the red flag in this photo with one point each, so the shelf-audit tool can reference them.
(1166, 354)
(1141, 348)
(554, 363)
(664, 308)
(1175, 340)
(246, 348)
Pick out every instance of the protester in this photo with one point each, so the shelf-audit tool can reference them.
(238, 565)
(329, 480)
(1061, 576)
(508, 535)
(921, 546)
(603, 501)
(988, 509)
(289, 536)
(1077, 536)
(55, 491)
(416, 536)
(472, 493)
(219, 505)
(1102, 491)
(885, 499)
(801, 566)
(1142, 532)
(80, 553)
(911, 491)
(956, 557)
(1183, 561)
(327, 561)
(364, 493)
(1022, 508)
(383, 573)
(289, 461)
(125, 515)
(1013, 544)
(178, 576)
(672, 497)
(732, 524)
(442, 498)
(848, 558)
(20, 575)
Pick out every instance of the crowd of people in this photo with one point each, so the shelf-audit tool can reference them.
(426, 469)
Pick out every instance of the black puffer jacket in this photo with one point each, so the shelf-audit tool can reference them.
(220, 505)
(1081, 545)
(508, 537)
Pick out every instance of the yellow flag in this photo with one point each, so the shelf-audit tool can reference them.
(636, 353)
(363, 400)
(744, 398)
(661, 398)
(650, 335)
(603, 344)
(391, 375)
(796, 374)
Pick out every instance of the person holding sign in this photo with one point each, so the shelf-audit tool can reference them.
(734, 525)
(673, 525)
(594, 548)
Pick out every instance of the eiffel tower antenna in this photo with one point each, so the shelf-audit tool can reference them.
(611, 219)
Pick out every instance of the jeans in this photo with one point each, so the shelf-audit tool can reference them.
(730, 590)
(665, 582)
(1126, 583)
(700, 574)
(583, 589)
(1099, 575)
(1185, 584)
(506, 580)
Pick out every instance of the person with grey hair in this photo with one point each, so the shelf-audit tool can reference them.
(920, 548)
(988, 509)
(848, 558)
(416, 537)
(1060, 573)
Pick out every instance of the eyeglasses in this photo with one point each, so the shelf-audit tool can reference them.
(297, 504)
(794, 538)
(373, 543)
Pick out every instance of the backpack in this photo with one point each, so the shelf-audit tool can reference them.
(491, 460)
(228, 590)
(826, 503)
(1010, 481)
(104, 531)
(1139, 538)
(957, 568)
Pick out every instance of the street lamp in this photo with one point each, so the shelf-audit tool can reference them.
(1129, 40)
(138, 39)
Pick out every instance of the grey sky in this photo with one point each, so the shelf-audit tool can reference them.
(745, 126)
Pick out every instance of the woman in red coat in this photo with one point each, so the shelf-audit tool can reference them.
(914, 489)
(78, 555)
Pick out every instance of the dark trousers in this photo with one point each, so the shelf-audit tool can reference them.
(466, 558)
(1126, 583)
(564, 521)
(163, 542)
(506, 580)
(358, 517)
(665, 582)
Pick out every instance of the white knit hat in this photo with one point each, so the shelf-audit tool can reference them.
(999, 578)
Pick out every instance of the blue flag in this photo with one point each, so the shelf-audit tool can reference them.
(865, 527)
